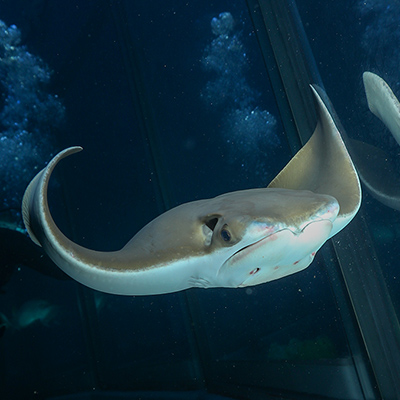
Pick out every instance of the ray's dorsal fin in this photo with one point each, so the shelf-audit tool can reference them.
(323, 165)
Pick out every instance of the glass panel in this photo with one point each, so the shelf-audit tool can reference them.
(172, 103)
(349, 38)
(367, 45)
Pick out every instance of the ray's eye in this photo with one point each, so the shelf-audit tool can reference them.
(225, 234)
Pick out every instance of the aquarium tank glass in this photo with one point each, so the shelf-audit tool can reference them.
(180, 101)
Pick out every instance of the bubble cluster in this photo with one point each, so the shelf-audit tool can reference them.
(249, 134)
(248, 131)
(242, 121)
(28, 116)
(222, 25)
(226, 58)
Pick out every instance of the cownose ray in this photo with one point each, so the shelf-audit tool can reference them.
(234, 240)
(375, 167)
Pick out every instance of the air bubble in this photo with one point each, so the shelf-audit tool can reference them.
(28, 116)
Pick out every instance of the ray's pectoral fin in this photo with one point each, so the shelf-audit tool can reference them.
(323, 165)
(382, 102)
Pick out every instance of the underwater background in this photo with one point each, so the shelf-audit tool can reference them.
(173, 102)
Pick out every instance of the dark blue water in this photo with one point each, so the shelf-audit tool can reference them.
(172, 103)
